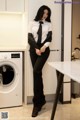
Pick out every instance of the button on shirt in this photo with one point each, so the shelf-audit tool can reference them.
(46, 27)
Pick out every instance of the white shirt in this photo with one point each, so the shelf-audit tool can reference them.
(46, 27)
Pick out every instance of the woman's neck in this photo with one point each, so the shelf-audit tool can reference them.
(43, 20)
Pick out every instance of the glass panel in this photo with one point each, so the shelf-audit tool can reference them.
(6, 74)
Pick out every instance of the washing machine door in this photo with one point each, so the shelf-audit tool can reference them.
(7, 74)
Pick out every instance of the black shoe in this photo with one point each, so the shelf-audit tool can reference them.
(42, 104)
(35, 111)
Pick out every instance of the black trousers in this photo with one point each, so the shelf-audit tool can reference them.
(38, 63)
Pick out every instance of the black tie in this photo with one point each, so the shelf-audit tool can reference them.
(39, 32)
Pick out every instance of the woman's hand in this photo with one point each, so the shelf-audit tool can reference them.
(38, 52)
(43, 48)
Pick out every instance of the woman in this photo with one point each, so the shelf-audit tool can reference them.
(39, 38)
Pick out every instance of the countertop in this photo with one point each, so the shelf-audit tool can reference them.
(69, 68)
(13, 48)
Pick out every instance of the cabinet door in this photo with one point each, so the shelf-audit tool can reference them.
(49, 74)
(15, 5)
(29, 76)
(2, 5)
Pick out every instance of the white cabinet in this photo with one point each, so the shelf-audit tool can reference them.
(49, 74)
(67, 31)
(2, 5)
(15, 5)
(29, 76)
(12, 5)
(65, 96)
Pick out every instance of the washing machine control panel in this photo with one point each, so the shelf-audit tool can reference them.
(16, 55)
(10, 55)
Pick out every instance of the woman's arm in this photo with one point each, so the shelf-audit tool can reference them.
(47, 41)
(31, 41)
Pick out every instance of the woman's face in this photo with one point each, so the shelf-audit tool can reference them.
(45, 15)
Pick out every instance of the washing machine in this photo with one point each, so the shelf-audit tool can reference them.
(11, 79)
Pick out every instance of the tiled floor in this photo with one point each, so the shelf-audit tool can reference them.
(64, 112)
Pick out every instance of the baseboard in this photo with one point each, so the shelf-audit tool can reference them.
(49, 98)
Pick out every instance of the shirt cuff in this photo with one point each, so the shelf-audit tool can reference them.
(47, 44)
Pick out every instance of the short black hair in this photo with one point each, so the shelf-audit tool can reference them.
(41, 12)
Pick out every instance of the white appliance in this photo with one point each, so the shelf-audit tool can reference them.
(10, 79)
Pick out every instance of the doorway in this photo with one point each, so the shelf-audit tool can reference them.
(76, 29)
(75, 46)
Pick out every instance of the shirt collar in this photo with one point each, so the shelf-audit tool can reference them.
(43, 21)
